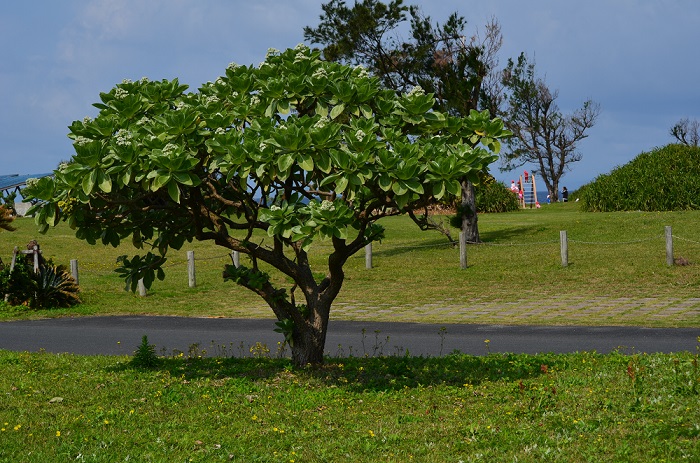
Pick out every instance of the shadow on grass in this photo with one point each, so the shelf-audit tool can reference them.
(369, 373)
(509, 234)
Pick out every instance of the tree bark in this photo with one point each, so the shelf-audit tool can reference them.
(309, 338)
(470, 226)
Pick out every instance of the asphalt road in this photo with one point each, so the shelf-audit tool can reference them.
(121, 335)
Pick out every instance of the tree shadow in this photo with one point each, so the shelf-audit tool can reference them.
(508, 234)
(356, 374)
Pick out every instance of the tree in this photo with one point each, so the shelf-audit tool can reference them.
(687, 132)
(265, 161)
(438, 58)
(542, 135)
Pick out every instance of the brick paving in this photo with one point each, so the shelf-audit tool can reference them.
(561, 310)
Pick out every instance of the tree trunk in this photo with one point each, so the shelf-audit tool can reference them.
(470, 226)
(309, 338)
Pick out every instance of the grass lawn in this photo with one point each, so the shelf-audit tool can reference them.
(581, 407)
(528, 408)
(617, 273)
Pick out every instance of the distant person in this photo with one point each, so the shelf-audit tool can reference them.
(564, 194)
(513, 187)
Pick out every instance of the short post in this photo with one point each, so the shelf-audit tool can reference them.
(14, 258)
(368, 255)
(142, 288)
(74, 270)
(564, 241)
(462, 250)
(36, 258)
(236, 258)
(669, 246)
(191, 278)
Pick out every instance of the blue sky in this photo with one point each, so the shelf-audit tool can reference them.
(638, 58)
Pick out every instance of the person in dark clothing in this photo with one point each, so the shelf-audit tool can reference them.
(564, 194)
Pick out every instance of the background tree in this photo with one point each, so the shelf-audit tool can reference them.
(264, 161)
(687, 132)
(542, 134)
(439, 58)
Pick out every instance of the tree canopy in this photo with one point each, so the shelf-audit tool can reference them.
(265, 160)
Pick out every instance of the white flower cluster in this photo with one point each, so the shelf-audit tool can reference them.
(255, 100)
(62, 166)
(321, 123)
(31, 181)
(120, 94)
(81, 141)
(300, 57)
(360, 135)
(127, 81)
(327, 205)
(271, 52)
(144, 80)
(179, 105)
(220, 131)
(220, 81)
(169, 149)
(274, 207)
(416, 91)
(123, 137)
(301, 47)
(320, 73)
(234, 94)
(231, 66)
(262, 146)
(87, 119)
(143, 121)
(362, 71)
(211, 99)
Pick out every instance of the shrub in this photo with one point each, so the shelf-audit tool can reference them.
(665, 179)
(494, 196)
(51, 287)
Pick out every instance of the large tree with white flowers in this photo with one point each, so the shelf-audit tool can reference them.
(266, 160)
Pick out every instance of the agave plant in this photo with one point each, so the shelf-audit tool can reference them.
(55, 287)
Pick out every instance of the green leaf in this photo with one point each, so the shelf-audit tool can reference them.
(89, 182)
(306, 162)
(284, 162)
(104, 182)
(174, 191)
(337, 110)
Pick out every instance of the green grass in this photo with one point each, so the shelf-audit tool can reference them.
(499, 407)
(617, 273)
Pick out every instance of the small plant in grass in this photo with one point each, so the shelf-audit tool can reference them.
(145, 356)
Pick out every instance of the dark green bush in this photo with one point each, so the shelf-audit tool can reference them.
(665, 179)
(494, 196)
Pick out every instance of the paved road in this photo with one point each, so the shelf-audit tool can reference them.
(122, 334)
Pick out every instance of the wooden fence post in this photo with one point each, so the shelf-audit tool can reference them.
(142, 288)
(191, 278)
(669, 246)
(14, 258)
(564, 243)
(36, 258)
(74, 270)
(368, 256)
(462, 250)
